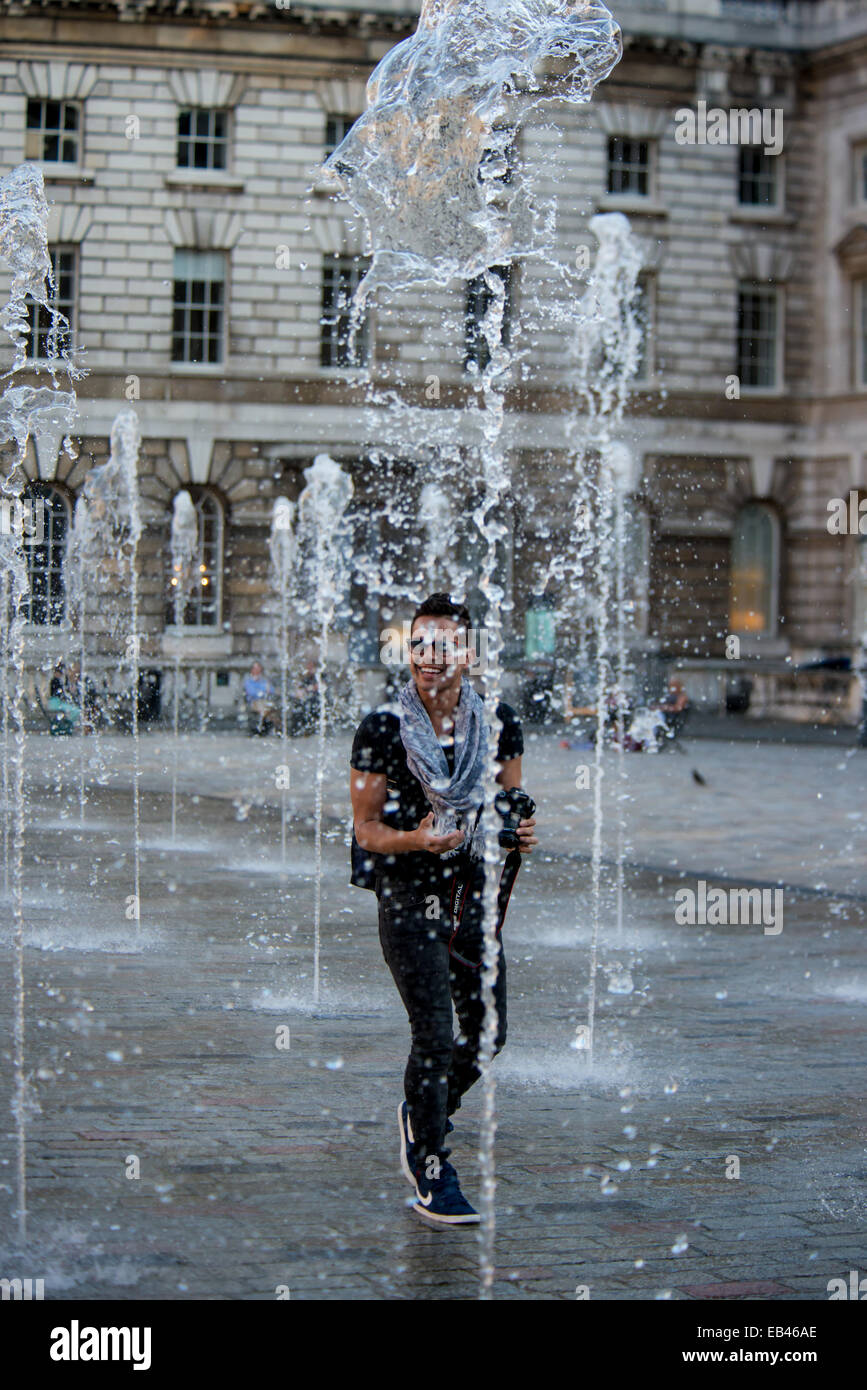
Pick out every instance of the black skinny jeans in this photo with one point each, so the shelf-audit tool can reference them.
(440, 1067)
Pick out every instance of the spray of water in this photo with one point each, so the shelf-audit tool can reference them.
(114, 528)
(45, 414)
(282, 548)
(184, 545)
(321, 513)
(606, 350)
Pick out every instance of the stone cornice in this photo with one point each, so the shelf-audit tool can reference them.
(222, 12)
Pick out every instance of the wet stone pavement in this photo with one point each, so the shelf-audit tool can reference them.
(265, 1168)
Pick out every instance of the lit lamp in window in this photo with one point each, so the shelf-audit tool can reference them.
(753, 572)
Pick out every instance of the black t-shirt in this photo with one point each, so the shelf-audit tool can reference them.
(378, 748)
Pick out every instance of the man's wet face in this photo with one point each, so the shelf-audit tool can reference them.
(438, 651)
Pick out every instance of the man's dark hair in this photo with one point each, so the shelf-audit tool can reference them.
(442, 606)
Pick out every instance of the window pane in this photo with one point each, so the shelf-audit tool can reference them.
(46, 601)
(341, 276)
(757, 336)
(753, 571)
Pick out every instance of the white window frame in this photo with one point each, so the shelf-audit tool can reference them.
(210, 142)
(184, 362)
(330, 332)
(34, 489)
(859, 318)
(859, 173)
(778, 292)
(777, 164)
(772, 633)
(32, 134)
(652, 154)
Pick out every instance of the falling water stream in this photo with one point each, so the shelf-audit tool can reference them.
(282, 550)
(321, 512)
(184, 542)
(45, 414)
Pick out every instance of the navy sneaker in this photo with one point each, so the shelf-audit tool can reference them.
(440, 1199)
(407, 1146)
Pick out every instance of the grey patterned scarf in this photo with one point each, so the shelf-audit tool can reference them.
(456, 797)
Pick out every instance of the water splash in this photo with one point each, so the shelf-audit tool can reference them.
(423, 164)
(46, 415)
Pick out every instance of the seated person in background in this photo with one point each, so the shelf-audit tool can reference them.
(260, 696)
(675, 705)
(62, 693)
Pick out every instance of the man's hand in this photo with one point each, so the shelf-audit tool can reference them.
(526, 837)
(435, 844)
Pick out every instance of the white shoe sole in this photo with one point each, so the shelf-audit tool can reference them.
(445, 1220)
(404, 1162)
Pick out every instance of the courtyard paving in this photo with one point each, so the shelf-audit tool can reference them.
(266, 1168)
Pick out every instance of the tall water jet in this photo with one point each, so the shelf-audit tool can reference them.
(281, 544)
(183, 544)
(46, 414)
(606, 351)
(112, 498)
(321, 512)
(76, 576)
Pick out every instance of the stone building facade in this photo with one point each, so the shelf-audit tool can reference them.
(197, 255)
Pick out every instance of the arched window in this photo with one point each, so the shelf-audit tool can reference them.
(755, 562)
(203, 607)
(46, 531)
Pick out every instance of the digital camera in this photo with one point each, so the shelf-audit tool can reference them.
(513, 805)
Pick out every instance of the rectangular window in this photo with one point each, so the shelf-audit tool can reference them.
(339, 345)
(41, 344)
(629, 166)
(336, 130)
(859, 174)
(759, 315)
(861, 333)
(476, 350)
(758, 185)
(202, 138)
(199, 306)
(53, 134)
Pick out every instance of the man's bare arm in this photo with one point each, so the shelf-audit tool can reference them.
(369, 793)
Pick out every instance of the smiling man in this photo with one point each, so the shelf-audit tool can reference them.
(417, 788)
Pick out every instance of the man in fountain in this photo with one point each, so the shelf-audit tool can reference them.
(417, 786)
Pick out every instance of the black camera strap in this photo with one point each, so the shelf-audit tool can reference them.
(460, 889)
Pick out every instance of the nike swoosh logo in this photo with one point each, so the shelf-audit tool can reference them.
(424, 1201)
